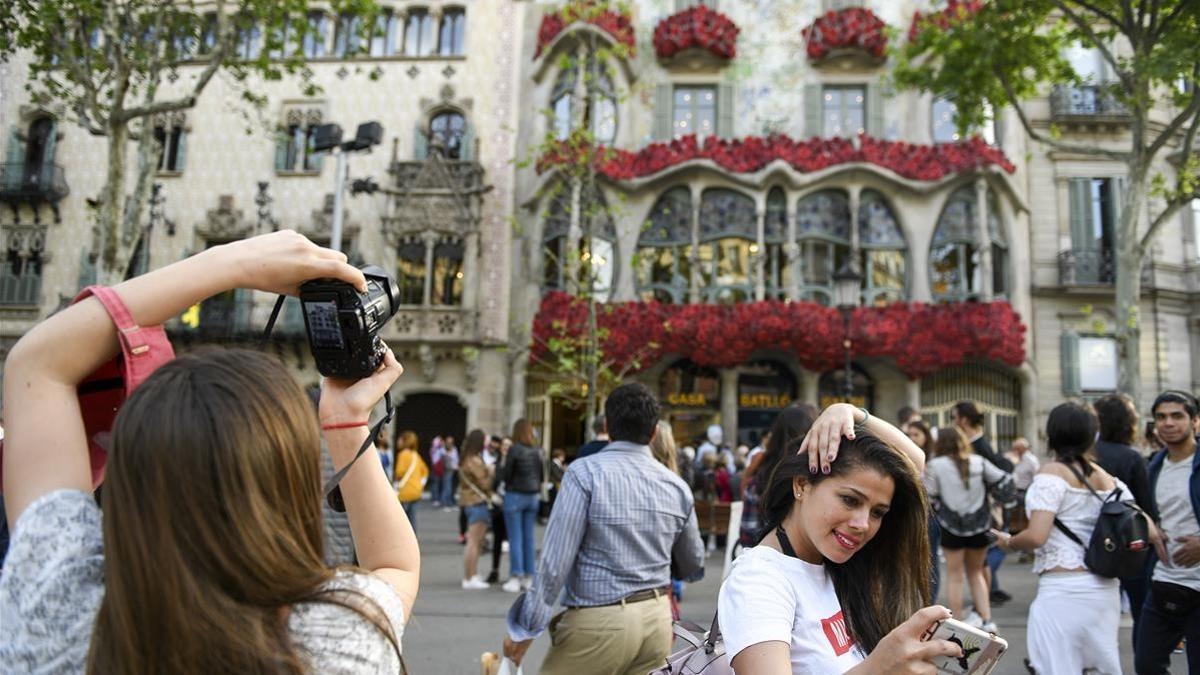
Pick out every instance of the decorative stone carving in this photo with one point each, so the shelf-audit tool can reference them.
(470, 356)
(428, 362)
(322, 222)
(436, 195)
(225, 221)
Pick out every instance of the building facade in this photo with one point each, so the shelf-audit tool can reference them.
(830, 165)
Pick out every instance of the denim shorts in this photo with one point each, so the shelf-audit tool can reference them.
(477, 513)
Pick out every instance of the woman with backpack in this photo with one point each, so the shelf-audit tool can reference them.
(838, 581)
(958, 482)
(1073, 621)
(208, 557)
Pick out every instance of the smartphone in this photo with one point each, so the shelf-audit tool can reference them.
(981, 650)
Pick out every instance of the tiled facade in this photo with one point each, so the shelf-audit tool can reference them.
(464, 341)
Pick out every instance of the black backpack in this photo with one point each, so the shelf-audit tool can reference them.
(1120, 544)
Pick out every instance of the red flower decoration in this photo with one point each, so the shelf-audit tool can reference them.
(851, 28)
(696, 27)
(746, 155)
(955, 10)
(920, 338)
(616, 24)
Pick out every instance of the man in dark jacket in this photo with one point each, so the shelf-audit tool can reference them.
(598, 443)
(1115, 454)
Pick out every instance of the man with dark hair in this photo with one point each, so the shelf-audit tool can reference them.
(1115, 454)
(598, 442)
(1172, 607)
(622, 522)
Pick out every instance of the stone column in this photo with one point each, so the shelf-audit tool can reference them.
(912, 393)
(758, 257)
(694, 256)
(791, 253)
(984, 237)
(729, 405)
(430, 239)
(810, 386)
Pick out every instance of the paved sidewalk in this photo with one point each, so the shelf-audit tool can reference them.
(451, 627)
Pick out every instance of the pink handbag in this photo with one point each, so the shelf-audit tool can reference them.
(704, 653)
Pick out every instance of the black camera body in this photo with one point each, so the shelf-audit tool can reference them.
(343, 325)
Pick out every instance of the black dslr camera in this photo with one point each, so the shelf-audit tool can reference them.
(343, 325)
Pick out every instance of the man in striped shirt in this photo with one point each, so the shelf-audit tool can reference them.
(621, 523)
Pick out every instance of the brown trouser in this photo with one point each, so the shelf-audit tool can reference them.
(625, 639)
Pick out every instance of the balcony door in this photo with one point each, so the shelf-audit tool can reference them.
(39, 152)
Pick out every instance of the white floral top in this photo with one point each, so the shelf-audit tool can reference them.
(53, 582)
(1077, 508)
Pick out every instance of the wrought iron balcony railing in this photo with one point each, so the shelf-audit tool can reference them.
(29, 183)
(1086, 101)
(1093, 268)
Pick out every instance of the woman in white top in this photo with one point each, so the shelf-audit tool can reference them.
(957, 481)
(209, 556)
(1073, 620)
(840, 575)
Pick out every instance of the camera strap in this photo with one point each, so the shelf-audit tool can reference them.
(333, 493)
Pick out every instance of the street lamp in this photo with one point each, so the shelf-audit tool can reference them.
(328, 137)
(847, 282)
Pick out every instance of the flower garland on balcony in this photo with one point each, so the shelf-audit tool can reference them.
(921, 339)
(696, 27)
(618, 24)
(850, 28)
(750, 154)
(955, 10)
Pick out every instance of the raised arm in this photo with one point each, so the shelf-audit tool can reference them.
(45, 446)
(838, 420)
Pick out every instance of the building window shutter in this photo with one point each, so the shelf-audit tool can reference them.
(181, 150)
(1070, 363)
(467, 143)
(283, 142)
(1118, 203)
(1081, 214)
(663, 115)
(14, 160)
(420, 143)
(874, 111)
(725, 111)
(316, 160)
(49, 151)
(812, 110)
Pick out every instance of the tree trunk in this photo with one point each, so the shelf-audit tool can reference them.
(112, 205)
(132, 227)
(1129, 286)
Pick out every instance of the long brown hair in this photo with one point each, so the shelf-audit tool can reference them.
(883, 584)
(522, 433)
(951, 443)
(473, 446)
(212, 522)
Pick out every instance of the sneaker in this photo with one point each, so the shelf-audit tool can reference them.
(989, 626)
(513, 585)
(462, 539)
(504, 546)
(973, 619)
(493, 577)
(526, 583)
(475, 584)
(999, 597)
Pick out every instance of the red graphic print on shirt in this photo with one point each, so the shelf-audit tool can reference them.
(835, 630)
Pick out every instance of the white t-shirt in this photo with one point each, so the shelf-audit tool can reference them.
(769, 596)
(1173, 496)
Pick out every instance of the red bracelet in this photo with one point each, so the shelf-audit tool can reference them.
(344, 425)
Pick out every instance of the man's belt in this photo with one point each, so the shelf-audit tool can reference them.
(639, 596)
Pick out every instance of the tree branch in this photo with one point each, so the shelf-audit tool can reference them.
(1190, 113)
(1104, 14)
(1173, 207)
(1164, 26)
(1086, 27)
(1042, 138)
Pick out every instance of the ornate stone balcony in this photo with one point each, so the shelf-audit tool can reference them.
(434, 324)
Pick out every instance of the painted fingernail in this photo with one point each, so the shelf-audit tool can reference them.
(812, 468)
(825, 469)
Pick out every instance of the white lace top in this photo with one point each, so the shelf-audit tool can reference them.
(1077, 508)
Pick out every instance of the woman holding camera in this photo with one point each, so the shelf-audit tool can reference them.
(209, 554)
(839, 578)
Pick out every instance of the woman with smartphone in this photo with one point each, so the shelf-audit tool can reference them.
(1074, 618)
(839, 577)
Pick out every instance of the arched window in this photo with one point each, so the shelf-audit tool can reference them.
(447, 281)
(601, 113)
(883, 251)
(777, 272)
(665, 249)
(954, 255)
(823, 232)
(418, 33)
(597, 261)
(453, 23)
(728, 224)
(448, 129)
(410, 271)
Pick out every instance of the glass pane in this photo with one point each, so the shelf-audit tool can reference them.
(775, 219)
(706, 254)
(1097, 364)
(957, 222)
(562, 117)
(944, 130)
(883, 271)
(695, 111)
(725, 212)
(447, 273)
(604, 120)
(999, 270)
(410, 273)
(552, 264)
(603, 267)
(448, 129)
(946, 276)
(877, 224)
(825, 213)
(854, 116)
(670, 219)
